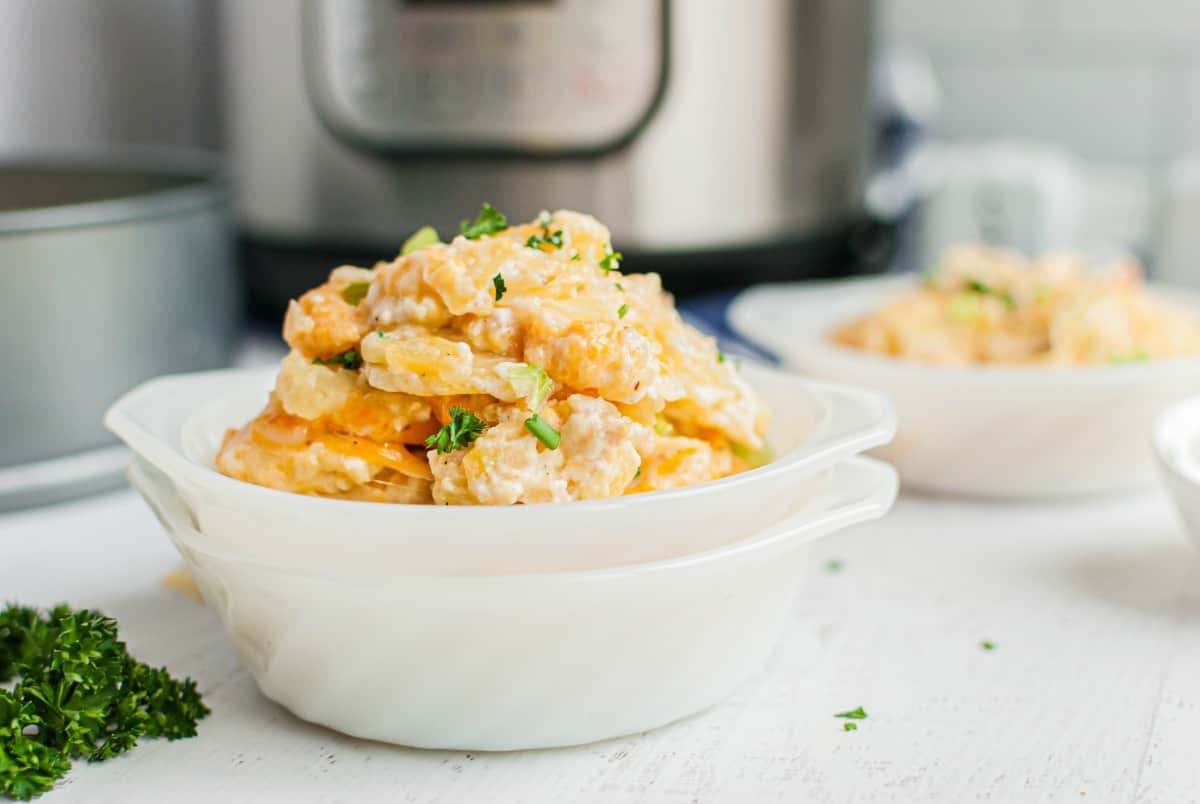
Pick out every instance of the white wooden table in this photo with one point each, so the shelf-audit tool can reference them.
(1092, 692)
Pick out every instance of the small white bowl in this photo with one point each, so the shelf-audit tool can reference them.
(175, 424)
(993, 431)
(1177, 444)
(494, 663)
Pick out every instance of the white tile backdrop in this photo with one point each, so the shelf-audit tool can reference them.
(1114, 80)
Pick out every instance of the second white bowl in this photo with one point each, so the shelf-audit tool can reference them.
(515, 661)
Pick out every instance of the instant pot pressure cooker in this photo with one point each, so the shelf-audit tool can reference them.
(723, 141)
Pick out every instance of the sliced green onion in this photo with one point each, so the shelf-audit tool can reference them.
(531, 382)
(425, 236)
(543, 432)
(355, 292)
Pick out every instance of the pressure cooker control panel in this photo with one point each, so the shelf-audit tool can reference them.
(501, 77)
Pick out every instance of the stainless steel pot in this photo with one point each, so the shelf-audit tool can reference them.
(113, 271)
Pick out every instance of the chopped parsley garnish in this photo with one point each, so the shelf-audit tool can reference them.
(638, 473)
(849, 726)
(543, 432)
(458, 433)
(987, 645)
(425, 236)
(350, 359)
(355, 292)
(834, 566)
(78, 694)
(611, 261)
(546, 238)
(498, 284)
(720, 357)
(489, 222)
(853, 714)
(576, 257)
(620, 287)
(622, 310)
(984, 289)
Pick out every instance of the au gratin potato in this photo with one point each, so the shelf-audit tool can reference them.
(514, 364)
(986, 305)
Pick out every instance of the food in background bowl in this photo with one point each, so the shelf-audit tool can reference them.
(515, 364)
(988, 305)
(1000, 429)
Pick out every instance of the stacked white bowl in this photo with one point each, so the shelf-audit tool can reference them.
(486, 628)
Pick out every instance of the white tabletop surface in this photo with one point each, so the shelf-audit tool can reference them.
(1091, 694)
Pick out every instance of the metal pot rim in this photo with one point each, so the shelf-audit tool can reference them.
(203, 182)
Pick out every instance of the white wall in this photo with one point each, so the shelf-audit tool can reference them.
(1115, 80)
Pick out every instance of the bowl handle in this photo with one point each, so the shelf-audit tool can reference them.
(867, 419)
(870, 489)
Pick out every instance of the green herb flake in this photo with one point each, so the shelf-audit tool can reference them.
(853, 714)
(622, 310)
(546, 238)
(543, 432)
(1139, 356)
(576, 257)
(611, 261)
(720, 357)
(78, 694)
(984, 289)
(987, 645)
(834, 566)
(349, 359)
(381, 334)
(498, 284)
(458, 433)
(355, 292)
(425, 236)
(849, 726)
(489, 222)
(638, 473)
(619, 286)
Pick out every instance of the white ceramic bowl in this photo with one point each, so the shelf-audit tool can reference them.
(175, 424)
(512, 661)
(1177, 443)
(995, 431)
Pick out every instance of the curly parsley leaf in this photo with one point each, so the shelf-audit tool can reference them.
(349, 359)
(79, 694)
(489, 222)
(458, 433)
(498, 284)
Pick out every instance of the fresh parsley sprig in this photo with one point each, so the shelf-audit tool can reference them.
(458, 433)
(79, 694)
(489, 222)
